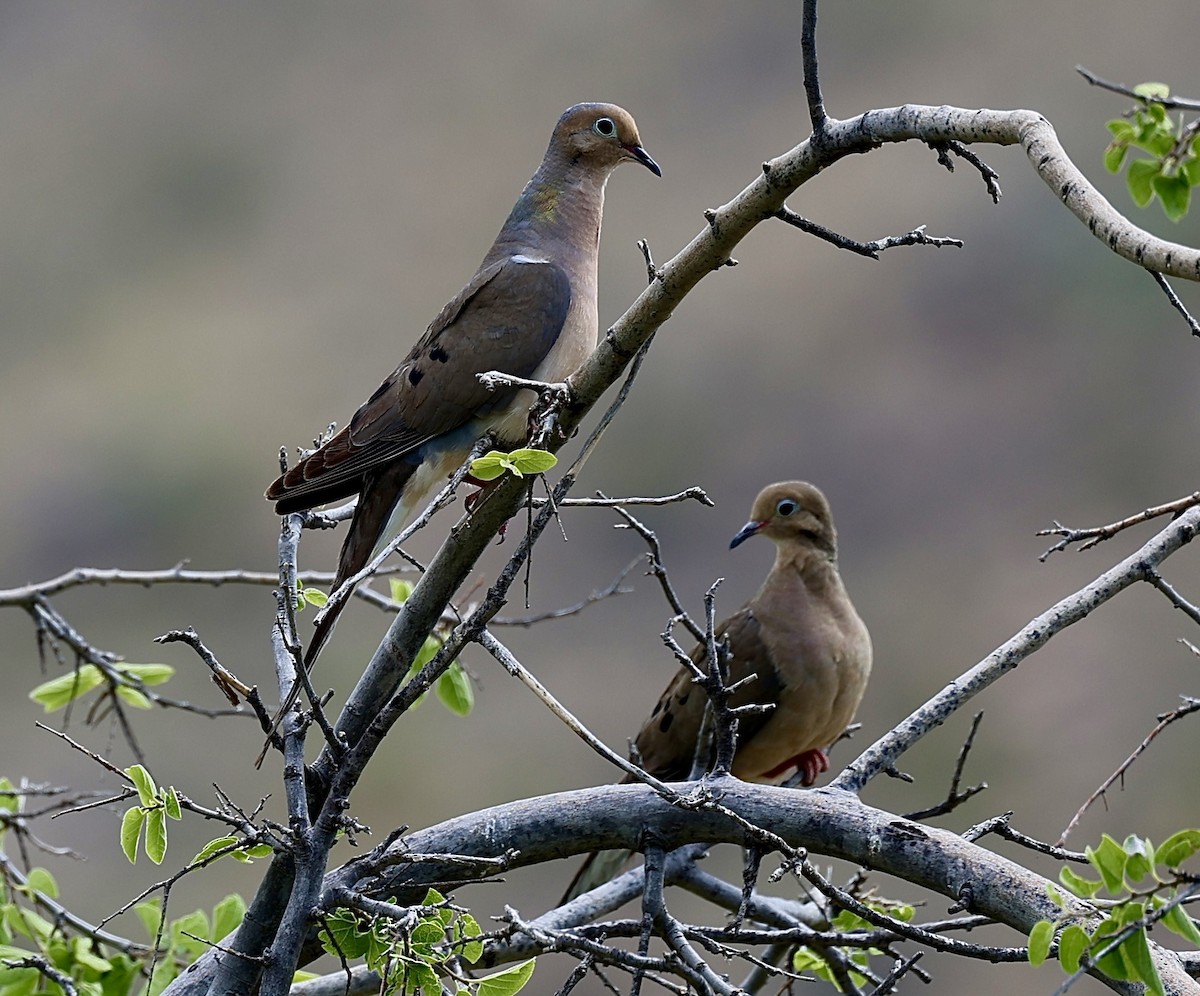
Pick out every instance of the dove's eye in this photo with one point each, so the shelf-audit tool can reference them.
(605, 127)
(786, 507)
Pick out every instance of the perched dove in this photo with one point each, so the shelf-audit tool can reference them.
(529, 311)
(802, 638)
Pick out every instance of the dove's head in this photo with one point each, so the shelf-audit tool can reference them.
(791, 512)
(603, 135)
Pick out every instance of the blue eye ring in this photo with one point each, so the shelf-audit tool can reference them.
(786, 507)
(605, 127)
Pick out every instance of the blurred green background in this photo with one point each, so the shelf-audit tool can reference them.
(224, 223)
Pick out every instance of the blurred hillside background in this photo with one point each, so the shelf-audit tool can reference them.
(225, 223)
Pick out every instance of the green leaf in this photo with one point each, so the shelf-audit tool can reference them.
(507, 982)
(427, 653)
(1114, 156)
(156, 835)
(1137, 953)
(148, 674)
(454, 690)
(1121, 130)
(1175, 192)
(468, 927)
(1177, 920)
(194, 923)
(211, 848)
(1072, 943)
(421, 976)
(131, 696)
(57, 692)
(150, 913)
(144, 783)
(531, 461)
(519, 462)
(171, 803)
(1085, 888)
(400, 590)
(1114, 964)
(227, 915)
(1177, 848)
(20, 981)
(83, 955)
(1039, 941)
(131, 829)
(1140, 860)
(40, 880)
(315, 597)
(248, 855)
(1190, 170)
(9, 803)
(1109, 860)
(342, 936)
(428, 932)
(1152, 91)
(1140, 180)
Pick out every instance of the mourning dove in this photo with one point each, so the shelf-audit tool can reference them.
(803, 639)
(529, 311)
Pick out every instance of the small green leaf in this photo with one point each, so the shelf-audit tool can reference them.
(1040, 939)
(508, 981)
(468, 927)
(1114, 964)
(156, 835)
(1114, 156)
(1140, 180)
(250, 853)
(421, 976)
(82, 954)
(131, 696)
(131, 829)
(1189, 169)
(1109, 860)
(400, 589)
(227, 915)
(454, 690)
(1137, 953)
(1121, 130)
(1085, 888)
(171, 803)
(40, 880)
(1175, 192)
(489, 466)
(211, 848)
(1177, 920)
(150, 913)
(427, 653)
(1072, 943)
(531, 461)
(1152, 91)
(315, 597)
(144, 783)
(56, 693)
(428, 932)
(1140, 861)
(148, 674)
(1177, 848)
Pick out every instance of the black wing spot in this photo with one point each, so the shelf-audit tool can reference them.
(415, 375)
(439, 354)
(664, 724)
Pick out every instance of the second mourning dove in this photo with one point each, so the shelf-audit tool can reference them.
(803, 639)
(529, 311)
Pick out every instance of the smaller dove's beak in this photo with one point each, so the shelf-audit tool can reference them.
(642, 156)
(743, 534)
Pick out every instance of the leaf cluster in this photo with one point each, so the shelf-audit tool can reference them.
(421, 952)
(847, 923)
(1147, 885)
(1172, 168)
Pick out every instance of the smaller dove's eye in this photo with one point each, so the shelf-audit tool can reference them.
(786, 507)
(605, 127)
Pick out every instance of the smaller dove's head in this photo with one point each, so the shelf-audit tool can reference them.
(604, 135)
(791, 512)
